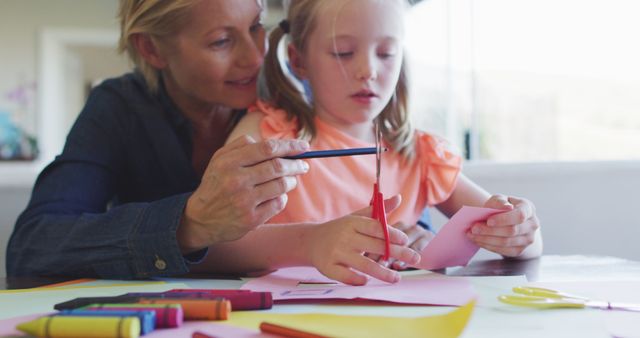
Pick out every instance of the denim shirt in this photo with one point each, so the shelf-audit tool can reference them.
(110, 204)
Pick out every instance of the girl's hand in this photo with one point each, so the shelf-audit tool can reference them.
(508, 233)
(338, 248)
(244, 185)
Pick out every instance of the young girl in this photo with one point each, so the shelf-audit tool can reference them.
(350, 52)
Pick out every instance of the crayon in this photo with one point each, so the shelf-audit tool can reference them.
(287, 331)
(245, 300)
(239, 301)
(197, 309)
(84, 301)
(334, 153)
(167, 315)
(211, 291)
(147, 318)
(200, 334)
(89, 327)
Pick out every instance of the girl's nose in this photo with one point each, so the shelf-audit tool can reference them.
(366, 69)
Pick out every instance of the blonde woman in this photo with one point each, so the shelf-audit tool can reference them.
(145, 183)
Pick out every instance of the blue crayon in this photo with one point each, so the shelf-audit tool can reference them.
(147, 318)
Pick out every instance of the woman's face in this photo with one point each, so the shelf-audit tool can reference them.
(216, 57)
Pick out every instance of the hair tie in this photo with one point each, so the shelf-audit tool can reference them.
(284, 25)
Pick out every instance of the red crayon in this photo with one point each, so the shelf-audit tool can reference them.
(245, 300)
(198, 334)
(287, 331)
(210, 291)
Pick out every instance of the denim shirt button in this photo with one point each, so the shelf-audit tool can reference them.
(160, 264)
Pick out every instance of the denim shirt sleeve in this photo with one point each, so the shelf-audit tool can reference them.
(70, 229)
(135, 240)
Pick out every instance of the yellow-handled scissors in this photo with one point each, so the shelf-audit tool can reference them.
(550, 299)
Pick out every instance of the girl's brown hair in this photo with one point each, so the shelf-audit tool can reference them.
(394, 119)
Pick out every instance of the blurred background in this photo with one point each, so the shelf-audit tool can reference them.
(542, 97)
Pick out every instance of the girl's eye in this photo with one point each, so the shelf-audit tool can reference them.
(386, 55)
(342, 55)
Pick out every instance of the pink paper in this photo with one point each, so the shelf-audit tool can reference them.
(451, 247)
(215, 329)
(305, 283)
(8, 326)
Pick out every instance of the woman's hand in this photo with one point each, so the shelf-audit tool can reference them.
(244, 185)
(337, 248)
(508, 233)
(418, 236)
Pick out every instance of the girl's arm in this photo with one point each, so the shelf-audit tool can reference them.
(514, 233)
(465, 193)
(248, 125)
(335, 248)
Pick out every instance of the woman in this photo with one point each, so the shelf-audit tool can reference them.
(144, 184)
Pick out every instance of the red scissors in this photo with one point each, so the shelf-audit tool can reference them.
(377, 200)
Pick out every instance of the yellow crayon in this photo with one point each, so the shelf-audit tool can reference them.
(89, 327)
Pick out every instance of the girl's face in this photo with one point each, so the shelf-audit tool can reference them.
(352, 61)
(215, 58)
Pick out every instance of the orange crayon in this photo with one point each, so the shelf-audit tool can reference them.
(197, 309)
(89, 327)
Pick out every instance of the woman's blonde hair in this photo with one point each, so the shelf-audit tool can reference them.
(394, 119)
(158, 18)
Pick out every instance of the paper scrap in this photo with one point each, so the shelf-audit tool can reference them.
(304, 283)
(450, 246)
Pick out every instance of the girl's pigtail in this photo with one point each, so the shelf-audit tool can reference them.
(395, 121)
(284, 94)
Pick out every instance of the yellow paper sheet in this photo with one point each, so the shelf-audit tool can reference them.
(85, 284)
(441, 326)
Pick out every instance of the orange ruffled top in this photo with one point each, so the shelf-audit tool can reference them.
(337, 186)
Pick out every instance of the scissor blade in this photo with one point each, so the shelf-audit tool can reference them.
(378, 132)
(614, 306)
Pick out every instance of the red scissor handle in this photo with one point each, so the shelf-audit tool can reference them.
(380, 214)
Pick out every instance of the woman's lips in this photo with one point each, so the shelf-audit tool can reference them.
(243, 82)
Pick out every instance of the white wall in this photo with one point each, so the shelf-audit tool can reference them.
(20, 24)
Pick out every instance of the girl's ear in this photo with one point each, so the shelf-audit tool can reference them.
(148, 50)
(296, 62)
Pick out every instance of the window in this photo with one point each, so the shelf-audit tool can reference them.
(528, 80)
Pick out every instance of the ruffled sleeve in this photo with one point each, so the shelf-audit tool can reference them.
(275, 124)
(439, 166)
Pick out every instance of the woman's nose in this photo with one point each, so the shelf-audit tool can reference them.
(251, 54)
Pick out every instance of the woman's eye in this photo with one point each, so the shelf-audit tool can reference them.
(256, 27)
(220, 43)
(386, 55)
